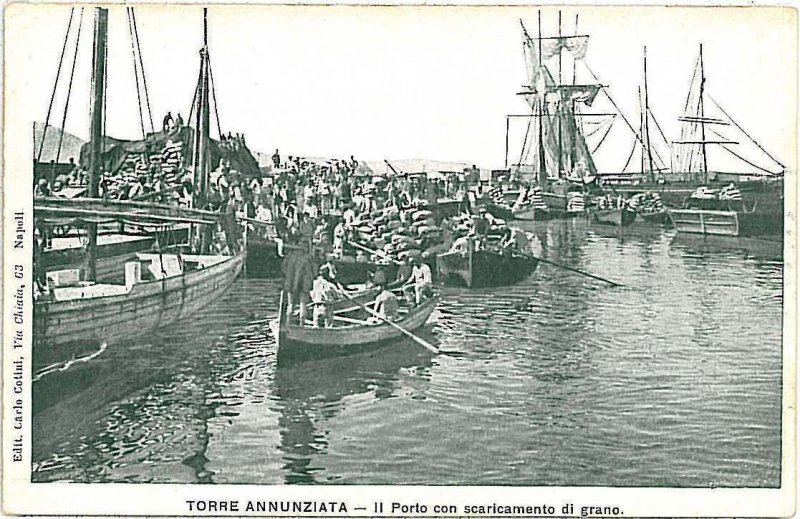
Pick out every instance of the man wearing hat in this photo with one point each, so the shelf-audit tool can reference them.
(323, 293)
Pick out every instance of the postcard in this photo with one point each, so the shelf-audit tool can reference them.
(399, 261)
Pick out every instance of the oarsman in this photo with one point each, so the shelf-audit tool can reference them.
(386, 304)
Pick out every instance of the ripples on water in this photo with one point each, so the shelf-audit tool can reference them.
(673, 379)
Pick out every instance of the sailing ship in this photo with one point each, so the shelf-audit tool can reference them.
(752, 202)
(555, 155)
(73, 315)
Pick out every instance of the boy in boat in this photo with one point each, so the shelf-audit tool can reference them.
(323, 292)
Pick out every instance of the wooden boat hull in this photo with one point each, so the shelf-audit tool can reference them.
(484, 268)
(306, 342)
(262, 257)
(63, 329)
(497, 211)
(531, 214)
(705, 221)
(655, 218)
(620, 217)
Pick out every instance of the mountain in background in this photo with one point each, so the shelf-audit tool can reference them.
(379, 167)
(70, 144)
(416, 166)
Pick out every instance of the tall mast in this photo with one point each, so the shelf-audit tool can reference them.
(202, 151)
(702, 117)
(646, 117)
(560, 108)
(574, 62)
(641, 128)
(540, 99)
(98, 116)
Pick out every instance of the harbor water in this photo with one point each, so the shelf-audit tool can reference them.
(673, 379)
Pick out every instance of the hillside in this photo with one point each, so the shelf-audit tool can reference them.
(70, 145)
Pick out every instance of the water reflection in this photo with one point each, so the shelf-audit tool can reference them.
(316, 391)
(550, 381)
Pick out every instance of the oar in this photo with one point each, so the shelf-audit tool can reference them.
(425, 344)
(612, 283)
(371, 251)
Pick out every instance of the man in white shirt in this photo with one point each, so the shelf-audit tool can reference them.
(323, 293)
(423, 279)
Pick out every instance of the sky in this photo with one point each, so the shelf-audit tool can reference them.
(402, 82)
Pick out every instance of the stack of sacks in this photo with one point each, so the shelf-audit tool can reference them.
(648, 202)
(575, 202)
(397, 234)
(171, 156)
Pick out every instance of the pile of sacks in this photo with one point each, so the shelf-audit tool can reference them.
(396, 235)
(647, 203)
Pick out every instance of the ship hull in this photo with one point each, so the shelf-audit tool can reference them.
(63, 329)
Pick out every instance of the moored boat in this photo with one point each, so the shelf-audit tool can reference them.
(70, 319)
(73, 312)
(717, 217)
(484, 268)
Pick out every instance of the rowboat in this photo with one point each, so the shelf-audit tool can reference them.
(347, 335)
(484, 268)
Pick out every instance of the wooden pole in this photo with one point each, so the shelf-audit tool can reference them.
(702, 122)
(96, 149)
(646, 117)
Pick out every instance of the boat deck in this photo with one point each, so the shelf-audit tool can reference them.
(75, 242)
(88, 291)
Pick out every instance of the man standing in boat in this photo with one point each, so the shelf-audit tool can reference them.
(298, 280)
(323, 293)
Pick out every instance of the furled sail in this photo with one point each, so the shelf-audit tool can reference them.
(577, 45)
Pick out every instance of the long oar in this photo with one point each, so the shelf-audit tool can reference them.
(553, 263)
(425, 344)
(371, 251)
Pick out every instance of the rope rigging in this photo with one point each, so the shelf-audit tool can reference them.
(136, 74)
(213, 93)
(69, 87)
(55, 85)
(141, 67)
